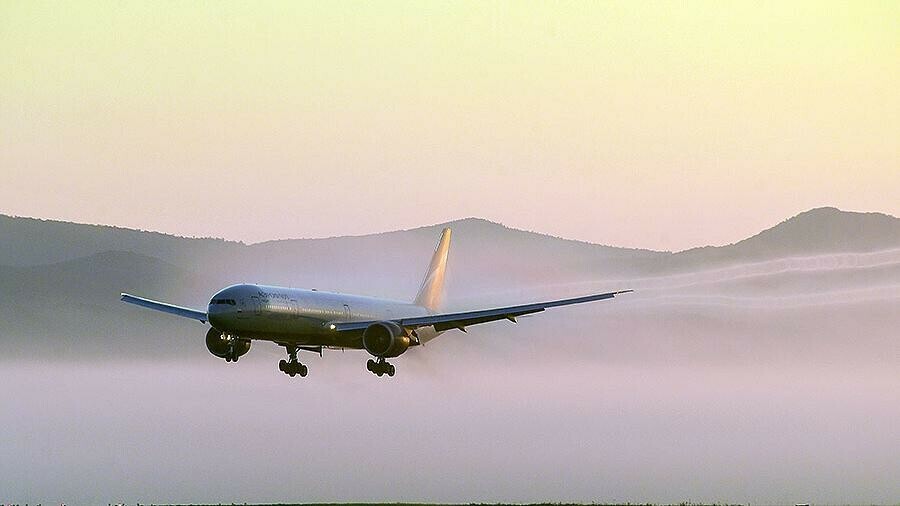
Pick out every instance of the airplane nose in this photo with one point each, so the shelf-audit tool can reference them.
(213, 312)
(219, 307)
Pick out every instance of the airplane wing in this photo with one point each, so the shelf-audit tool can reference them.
(166, 308)
(462, 320)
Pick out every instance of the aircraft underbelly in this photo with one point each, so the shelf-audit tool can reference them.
(289, 329)
(299, 317)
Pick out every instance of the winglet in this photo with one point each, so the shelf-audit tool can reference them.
(432, 288)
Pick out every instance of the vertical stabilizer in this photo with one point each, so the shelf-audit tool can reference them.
(430, 293)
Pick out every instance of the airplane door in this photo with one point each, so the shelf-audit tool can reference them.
(242, 310)
(255, 305)
(346, 312)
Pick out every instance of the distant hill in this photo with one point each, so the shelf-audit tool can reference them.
(390, 264)
(29, 241)
(814, 232)
(59, 282)
(485, 254)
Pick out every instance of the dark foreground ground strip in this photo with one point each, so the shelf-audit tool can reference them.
(456, 504)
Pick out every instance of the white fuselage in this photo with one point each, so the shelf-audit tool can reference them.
(290, 315)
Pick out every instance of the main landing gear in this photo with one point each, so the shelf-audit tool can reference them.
(380, 367)
(292, 367)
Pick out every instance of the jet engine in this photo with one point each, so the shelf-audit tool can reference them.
(385, 339)
(221, 345)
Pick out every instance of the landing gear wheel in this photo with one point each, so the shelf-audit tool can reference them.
(292, 367)
(379, 367)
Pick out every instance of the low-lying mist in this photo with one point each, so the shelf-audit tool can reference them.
(720, 392)
(448, 429)
(763, 380)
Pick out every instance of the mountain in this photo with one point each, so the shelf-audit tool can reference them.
(59, 282)
(815, 232)
(29, 241)
(330, 263)
(826, 230)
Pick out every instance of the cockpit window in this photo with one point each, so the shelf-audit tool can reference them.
(229, 302)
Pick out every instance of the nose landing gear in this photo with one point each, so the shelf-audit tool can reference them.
(232, 355)
(380, 367)
(292, 367)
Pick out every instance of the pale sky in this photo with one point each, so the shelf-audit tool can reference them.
(663, 125)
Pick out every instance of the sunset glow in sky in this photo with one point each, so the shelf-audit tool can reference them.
(659, 125)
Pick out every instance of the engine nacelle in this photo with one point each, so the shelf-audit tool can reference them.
(219, 345)
(385, 339)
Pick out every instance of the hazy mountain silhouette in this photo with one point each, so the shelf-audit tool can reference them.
(60, 281)
(29, 241)
(814, 232)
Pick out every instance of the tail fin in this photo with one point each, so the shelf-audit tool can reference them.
(430, 293)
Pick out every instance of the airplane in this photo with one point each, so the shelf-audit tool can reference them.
(312, 320)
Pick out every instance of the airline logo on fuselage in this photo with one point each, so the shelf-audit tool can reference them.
(272, 295)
